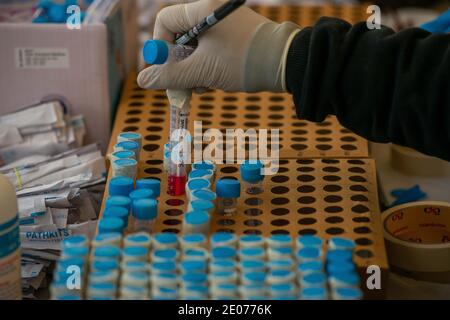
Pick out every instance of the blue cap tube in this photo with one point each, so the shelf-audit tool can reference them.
(118, 201)
(155, 52)
(141, 194)
(107, 225)
(152, 184)
(121, 186)
(117, 212)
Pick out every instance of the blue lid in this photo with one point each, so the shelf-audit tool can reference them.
(336, 267)
(165, 238)
(308, 253)
(310, 266)
(280, 287)
(155, 51)
(111, 225)
(128, 145)
(194, 238)
(202, 205)
(76, 252)
(196, 217)
(252, 252)
(224, 263)
(138, 237)
(314, 293)
(57, 13)
(223, 253)
(339, 255)
(281, 238)
(283, 250)
(106, 286)
(196, 277)
(167, 266)
(198, 183)
(252, 264)
(349, 293)
(135, 265)
(107, 252)
(121, 186)
(75, 241)
(67, 297)
(193, 265)
(130, 135)
(105, 265)
(200, 173)
(251, 171)
(108, 235)
(255, 276)
(222, 237)
(125, 162)
(228, 188)
(124, 154)
(204, 194)
(117, 212)
(197, 253)
(118, 201)
(203, 165)
(280, 264)
(349, 278)
(135, 251)
(166, 253)
(310, 241)
(248, 238)
(141, 194)
(152, 184)
(315, 278)
(145, 209)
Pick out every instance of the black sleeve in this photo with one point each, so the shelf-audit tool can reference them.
(382, 85)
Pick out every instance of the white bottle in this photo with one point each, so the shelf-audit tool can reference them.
(10, 276)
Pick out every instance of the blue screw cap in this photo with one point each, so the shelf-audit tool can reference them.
(141, 194)
(125, 154)
(107, 225)
(128, 145)
(196, 217)
(152, 184)
(155, 52)
(57, 13)
(121, 186)
(202, 205)
(228, 188)
(251, 171)
(145, 209)
(118, 201)
(117, 212)
(197, 184)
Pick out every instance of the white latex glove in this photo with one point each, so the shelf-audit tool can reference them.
(243, 52)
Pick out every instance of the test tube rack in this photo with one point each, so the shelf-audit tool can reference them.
(326, 184)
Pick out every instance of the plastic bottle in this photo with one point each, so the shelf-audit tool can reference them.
(10, 273)
(252, 175)
(160, 52)
(228, 191)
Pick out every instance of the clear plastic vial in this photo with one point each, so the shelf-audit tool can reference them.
(228, 191)
(160, 52)
(252, 176)
(144, 213)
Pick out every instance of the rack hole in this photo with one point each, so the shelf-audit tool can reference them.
(279, 231)
(280, 201)
(358, 188)
(332, 188)
(306, 200)
(280, 222)
(307, 221)
(333, 199)
(172, 222)
(253, 201)
(363, 241)
(279, 179)
(335, 231)
(305, 178)
(280, 211)
(364, 253)
(280, 190)
(253, 212)
(173, 212)
(362, 230)
(253, 231)
(334, 219)
(151, 147)
(333, 209)
(360, 209)
(226, 222)
(174, 202)
(305, 232)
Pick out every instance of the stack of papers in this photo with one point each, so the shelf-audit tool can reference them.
(59, 183)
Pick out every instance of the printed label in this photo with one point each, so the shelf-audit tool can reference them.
(42, 58)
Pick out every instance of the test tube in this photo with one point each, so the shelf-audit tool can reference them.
(252, 254)
(121, 186)
(79, 240)
(160, 52)
(198, 253)
(228, 191)
(340, 243)
(344, 280)
(193, 240)
(141, 194)
(164, 255)
(281, 264)
(145, 212)
(315, 279)
(125, 168)
(224, 239)
(203, 194)
(152, 184)
(201, 205)
(135, 254)
(118, 201)
(106, 239)
(202, 173)
(313, 293)
(310, 267)
(309, 241)
(196, 184)
(251, 241)
(140, 239)
(125, 154)
(165, 240)
(130, 136)
(249, 266)
(130, 146)
(196, 222)
(347, 294)
(223, 253)
(279, 241)
(252, 175)
(222, 265)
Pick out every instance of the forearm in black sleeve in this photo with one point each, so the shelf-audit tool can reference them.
(384, 86)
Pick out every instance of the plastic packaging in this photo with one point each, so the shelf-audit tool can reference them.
(145, 212)
(228, 191)
(10, 272)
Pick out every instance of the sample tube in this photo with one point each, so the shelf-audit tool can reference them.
(106, 253)
(130, 146)
(135, 254)
(80, 240)
(152, 184)
(201, 205)
(196, 184)
(347, 294)
(252, 175)
(141, 194)
(125, 154)
(107, 225)
(228, 191)
(130, 136)
(203, 194)
(140, 239)
(118, 201)
(160, 52)
(340, 243)
(202, 173)
(193, 240)
(251, 241)
(144, 213)
(196, 222)
(125, 168)
(106, 239)
(313, 293)
(224, 239)
(117, 212)
(121, 186)
(165, 240)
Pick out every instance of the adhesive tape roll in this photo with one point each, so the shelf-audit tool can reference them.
(411, 162)
(417, 237)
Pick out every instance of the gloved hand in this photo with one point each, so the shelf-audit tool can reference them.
(439, 25)
(243, 52)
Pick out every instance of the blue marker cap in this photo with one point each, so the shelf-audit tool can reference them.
(117, 212)
(202, 205)
(197, 184)
(196, 217)
(107, 225)
(251, 171)
(121, 186)
(141, 194)
(155, 51)
(118, 201)
(145, 209)
(228, 188)
(152, 184)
